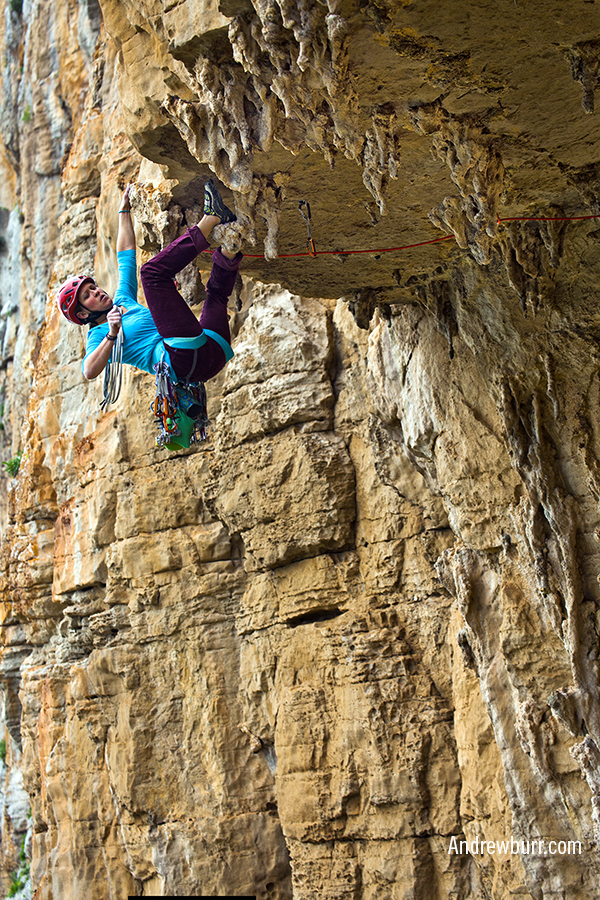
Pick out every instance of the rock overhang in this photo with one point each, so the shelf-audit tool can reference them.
(398, 123)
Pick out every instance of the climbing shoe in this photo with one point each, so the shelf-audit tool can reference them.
(214, 206)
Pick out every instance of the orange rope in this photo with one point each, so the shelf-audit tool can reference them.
(423, 243)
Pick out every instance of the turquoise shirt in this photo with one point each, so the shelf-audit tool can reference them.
(143, 346)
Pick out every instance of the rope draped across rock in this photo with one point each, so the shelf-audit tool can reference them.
(313, 252)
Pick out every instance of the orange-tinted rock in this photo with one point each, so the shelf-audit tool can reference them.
(358, 626)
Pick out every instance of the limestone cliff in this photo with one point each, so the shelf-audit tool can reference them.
(359, 624)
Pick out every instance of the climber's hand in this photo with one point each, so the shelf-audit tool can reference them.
(125, 203)
(113, 318)
(125, 234)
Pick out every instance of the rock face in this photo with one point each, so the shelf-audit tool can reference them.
(354, 635)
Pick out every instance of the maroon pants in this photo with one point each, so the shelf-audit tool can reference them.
(173, 317)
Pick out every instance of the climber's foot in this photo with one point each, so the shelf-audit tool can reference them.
(214, 206)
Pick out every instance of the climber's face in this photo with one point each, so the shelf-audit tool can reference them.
(92, 299)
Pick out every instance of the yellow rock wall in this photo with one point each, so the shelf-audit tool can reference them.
(360, 622)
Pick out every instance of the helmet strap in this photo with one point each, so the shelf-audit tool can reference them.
(93, 315)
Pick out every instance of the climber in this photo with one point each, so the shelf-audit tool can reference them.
(167, 330)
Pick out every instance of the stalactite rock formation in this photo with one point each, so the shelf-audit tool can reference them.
(348, 646)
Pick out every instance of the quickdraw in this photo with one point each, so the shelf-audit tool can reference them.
(310, 244)
(179, 410)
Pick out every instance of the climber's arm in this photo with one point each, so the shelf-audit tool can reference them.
(96, 362)
(126, 234)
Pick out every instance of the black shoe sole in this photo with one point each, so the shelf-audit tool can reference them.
(216, 207)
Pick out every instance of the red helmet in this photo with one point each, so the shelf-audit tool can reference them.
(67, 297)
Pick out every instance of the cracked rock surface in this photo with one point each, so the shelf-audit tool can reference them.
(360, 622)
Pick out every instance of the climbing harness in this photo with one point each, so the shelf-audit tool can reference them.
(179, 410)
(113, 373)
(310, 244)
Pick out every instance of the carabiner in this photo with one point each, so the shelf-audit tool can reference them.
(305, 215)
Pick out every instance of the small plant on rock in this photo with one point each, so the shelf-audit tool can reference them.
(12, 465)
(19, 879)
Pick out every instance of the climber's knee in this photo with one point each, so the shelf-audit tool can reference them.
(152, 274)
